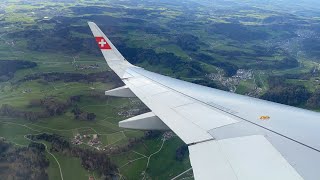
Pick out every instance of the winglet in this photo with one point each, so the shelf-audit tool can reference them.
(113, 57)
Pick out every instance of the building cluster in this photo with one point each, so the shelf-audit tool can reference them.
(231, 82)
(167, 135)
(83, 67)
(243, 74)
(136, 107)
(256, 92)
(92, 140)
(129, 112)
(77, 140)
(26, 90)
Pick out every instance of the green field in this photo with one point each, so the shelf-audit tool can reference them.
(105, 125)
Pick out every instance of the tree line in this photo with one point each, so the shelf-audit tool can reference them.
(9, 67)
(50, 107)
(286, 63)
(291, 94)
(10, 111)
(105, 77)
(181, 152)
(82, 115)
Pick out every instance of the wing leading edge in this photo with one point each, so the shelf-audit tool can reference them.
(226, 136)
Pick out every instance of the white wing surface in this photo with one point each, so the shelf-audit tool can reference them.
(230, 136)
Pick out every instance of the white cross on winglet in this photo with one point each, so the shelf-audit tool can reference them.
(102, 43)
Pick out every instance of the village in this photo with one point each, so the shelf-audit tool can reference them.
(93, 140)
(231, 82)
(88, 139)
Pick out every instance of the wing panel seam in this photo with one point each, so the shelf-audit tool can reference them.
(230, 113)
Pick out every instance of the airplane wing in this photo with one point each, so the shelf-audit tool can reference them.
(229, 136)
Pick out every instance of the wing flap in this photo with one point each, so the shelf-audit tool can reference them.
(242, 158)
(162, 105)
(204, 116)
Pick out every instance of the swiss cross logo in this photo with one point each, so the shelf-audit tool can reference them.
(102, 43)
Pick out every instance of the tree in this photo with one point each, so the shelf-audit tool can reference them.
(181, 152)
(3, 146)
(76, 111)
(37, 146)
(75, 98)
(91, 116)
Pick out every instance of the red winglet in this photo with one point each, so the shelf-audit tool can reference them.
(102, 43)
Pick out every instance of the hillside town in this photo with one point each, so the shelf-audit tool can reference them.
(231, 82)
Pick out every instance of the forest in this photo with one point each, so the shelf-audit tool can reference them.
(238, 31)
(22, 163)
(165, 60)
